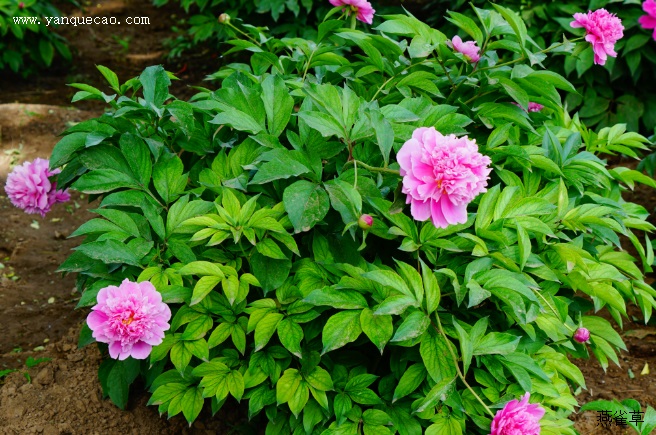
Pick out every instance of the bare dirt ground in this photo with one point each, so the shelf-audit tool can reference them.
(37, 316)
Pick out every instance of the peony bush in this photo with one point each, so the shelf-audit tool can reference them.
(255, 243)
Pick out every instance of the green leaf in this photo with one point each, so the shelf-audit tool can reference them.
(168, 178)
(265, 329)
(436, 356)
(384, 134)
(121, 375)
(137, 156)
(235, 382)
(413, 326)
(290, 335)
(201, 268)
(203, 287)
(524, 244)
(496, 343)
(47, 51)
(283, 164)
(110, 76)
(323, 123)
(104, 180)
(287, 385)
(515, 91)
(515, 22)
(378, 328)
(337, 298)
(155, 82)
(269, 248)
(390, 279)
(109, 251)
(431, 288)
(278, 104)
(66, 147)
(410, 381)
(238, 120)
(192, 403)
(436, 395)
(340, 329)
(444, 425)
(271, 273)
(468, 25)
(319, 379)
(306, 204)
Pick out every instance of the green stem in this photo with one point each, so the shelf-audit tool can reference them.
(307, 67)
(395, 76)
(155, 198)
(373, 168)
(523, 57)
(455, 362)
(355, 168)
(551, 307)
(446, 73)
(243, 33)
(353, 18)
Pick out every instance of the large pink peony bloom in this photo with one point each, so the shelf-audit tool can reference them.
(131, 317)
(518, 418)
(469, 48)
(441, 175)
(602, 30)
(29, 188)
(649, 21)
(365, 12)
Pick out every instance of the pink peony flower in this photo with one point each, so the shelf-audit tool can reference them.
(469, 48)
(131, 317)
(441, 175)
(582, 335)
(29, 188)
(649, 21)
(532, 107)
(365, 222)
(361, 7)
(602, 30)
(518, 418)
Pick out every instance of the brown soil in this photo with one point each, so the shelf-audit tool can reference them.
(37, 305)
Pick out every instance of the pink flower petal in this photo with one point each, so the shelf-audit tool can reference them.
(441, 175)
(602, 30)
(131, 318)
(420, 210)
(115, 349)
(140, 350)
(454, 214)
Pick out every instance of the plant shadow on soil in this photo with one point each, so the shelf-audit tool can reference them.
(37, 305)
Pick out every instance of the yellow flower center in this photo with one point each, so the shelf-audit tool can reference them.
(128, 320)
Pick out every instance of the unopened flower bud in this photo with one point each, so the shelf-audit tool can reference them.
(21, 5)
(582, 335)
(224, 18)
(365, 222)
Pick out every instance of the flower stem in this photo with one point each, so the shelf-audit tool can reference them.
(372, 168)
(552, 308)
(439, 329)
(243, 33)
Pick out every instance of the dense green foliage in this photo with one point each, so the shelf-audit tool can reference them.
(25, 48)
(623, 90)
(241, 207)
